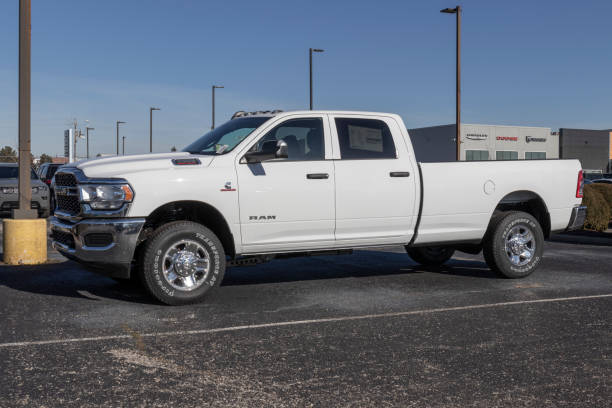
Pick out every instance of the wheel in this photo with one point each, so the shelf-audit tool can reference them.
(182, 262)
(432, 255)
(513, 244)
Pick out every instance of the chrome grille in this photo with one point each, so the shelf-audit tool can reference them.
(66, 193)
(65, 179)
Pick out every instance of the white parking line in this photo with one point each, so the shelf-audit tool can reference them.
(298, 322)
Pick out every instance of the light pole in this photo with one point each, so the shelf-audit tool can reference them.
(25, 40)
(123, 141)
(457, 11)
(151, 128)
(310, 51)
(87, 129)
(118, 123)
(213, 104)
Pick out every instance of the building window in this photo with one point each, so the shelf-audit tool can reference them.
(535, 155)
(365, 139)
(506, 155)
(471, 155)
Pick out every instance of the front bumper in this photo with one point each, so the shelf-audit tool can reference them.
(577, 218)
(105, 245)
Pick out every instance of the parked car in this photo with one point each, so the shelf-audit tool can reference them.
(46, 173)
(9, 197)
(301, 183)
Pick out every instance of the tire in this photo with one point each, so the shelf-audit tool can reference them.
(513, 244)
(430, 256)
(182, 263)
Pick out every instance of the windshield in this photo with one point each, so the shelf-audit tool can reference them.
(226, 137)
(13, 172)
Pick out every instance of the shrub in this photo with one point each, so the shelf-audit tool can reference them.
(598, 213)
(606, 191)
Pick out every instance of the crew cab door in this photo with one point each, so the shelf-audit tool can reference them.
(288, 203)
(376, 197)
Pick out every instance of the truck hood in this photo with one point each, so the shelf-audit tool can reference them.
(120, 166)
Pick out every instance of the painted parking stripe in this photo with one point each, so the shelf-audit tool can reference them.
(299, 322)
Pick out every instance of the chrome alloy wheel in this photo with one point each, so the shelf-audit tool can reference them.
(186, 265)
(520, 245)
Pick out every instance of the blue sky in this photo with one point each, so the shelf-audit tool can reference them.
(525, 62)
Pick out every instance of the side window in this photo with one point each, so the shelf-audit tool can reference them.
(304, 138)
(471, 155)
(506, 155)
(364, 139)
(535, 155)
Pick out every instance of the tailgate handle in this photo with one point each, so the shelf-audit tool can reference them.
(399, 174)
(316, 176)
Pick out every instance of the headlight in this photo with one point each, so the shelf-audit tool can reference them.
(38, 189)
(8, 190)
(106, 196)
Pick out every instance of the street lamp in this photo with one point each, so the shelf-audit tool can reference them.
(311, 50)
(123, 141)
(24, 211)
(118, 123)
(213, 104)
(457, 11)
(151, 128)
(87, 129)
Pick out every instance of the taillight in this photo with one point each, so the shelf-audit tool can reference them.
(580, 185)
(48, 181)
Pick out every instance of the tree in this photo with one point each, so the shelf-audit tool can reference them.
(45, 158)
(173, 149)
(8, 155)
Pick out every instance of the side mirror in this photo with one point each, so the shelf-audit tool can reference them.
(270, 149)
(282, 151)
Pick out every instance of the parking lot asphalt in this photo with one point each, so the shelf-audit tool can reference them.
(368, 329)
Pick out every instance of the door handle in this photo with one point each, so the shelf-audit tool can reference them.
(316, 176)
(399, 174)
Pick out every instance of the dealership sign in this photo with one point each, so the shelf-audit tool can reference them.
(508, 138)
(476, 136)
(534, 139)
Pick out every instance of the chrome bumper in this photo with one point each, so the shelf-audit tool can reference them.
(577, 218)
(113, 259)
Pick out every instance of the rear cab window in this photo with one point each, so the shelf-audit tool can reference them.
(363, 139)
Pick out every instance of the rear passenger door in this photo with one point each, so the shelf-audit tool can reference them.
(375, 181)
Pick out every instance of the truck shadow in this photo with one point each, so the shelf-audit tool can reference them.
(69, 279)
(360, 264)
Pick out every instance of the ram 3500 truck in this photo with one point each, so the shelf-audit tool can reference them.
(298, 183)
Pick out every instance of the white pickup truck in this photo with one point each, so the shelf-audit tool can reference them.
(299, 183)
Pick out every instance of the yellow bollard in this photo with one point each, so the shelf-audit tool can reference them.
(24, 241)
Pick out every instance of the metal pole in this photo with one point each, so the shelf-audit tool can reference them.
(310, 65)
(118, 123)
(87, 129)
(25, 36)
(458, 102)
(151, 109)
(123, 141)
(150, 130)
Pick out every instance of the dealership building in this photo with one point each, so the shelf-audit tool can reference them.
(592, 147)
(484, 142)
